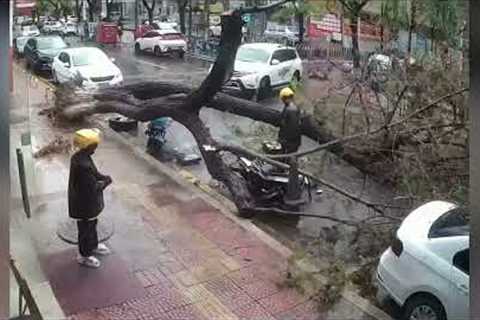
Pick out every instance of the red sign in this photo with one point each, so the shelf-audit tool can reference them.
(107, 33)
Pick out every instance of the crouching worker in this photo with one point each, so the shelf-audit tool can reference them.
(85, 196)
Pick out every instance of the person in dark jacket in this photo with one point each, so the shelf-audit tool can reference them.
(289, 135)
(85, 196)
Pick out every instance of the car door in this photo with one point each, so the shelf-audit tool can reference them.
(276, 62)
(29, 50)
(289, 65)
(147, 41)
(64, 73)
(460, 286)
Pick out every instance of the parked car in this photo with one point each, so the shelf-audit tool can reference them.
(287, 34)
(40, 51)
(260, 67)
(19, 45)
(161, 42)
(27, 31)
(52, 27)
(87, 66)
(426, 269)
(69, 29)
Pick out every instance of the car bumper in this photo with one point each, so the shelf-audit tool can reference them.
(43, 66)
(385, 279)
(237, 89)
(102, 85)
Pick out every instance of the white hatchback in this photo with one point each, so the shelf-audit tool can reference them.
(426, 269)
(89, 67)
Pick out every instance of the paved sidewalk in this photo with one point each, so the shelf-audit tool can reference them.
(174, 255)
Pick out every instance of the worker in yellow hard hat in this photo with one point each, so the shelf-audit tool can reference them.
(85, 196)
(289, 134)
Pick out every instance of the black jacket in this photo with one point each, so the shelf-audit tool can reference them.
(289, 135)
(85, 187)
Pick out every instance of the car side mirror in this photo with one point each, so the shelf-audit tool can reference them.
(66, 64)
(275, 62)
(112, 59)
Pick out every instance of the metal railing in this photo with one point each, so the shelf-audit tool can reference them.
(26, 301)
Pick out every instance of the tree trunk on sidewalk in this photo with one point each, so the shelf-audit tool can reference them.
(301, 26)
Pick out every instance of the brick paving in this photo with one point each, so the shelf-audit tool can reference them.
(212, 269)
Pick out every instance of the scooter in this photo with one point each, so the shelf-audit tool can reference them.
(156, 133)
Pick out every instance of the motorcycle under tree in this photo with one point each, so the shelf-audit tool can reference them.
(269, 185)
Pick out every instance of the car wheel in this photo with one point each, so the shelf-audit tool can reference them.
(156, 51)
(423, 307)
(181, 54)
(210, 33)
(264, 89)
(54, 76)
(122, 124)
(296, 76)
(137, 48)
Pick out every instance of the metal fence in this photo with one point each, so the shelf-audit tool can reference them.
(207, 49)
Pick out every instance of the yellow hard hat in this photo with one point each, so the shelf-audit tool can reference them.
(286, 93)
(86, 137)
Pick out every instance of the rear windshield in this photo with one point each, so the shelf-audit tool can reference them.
(452, 223)
(172, 36)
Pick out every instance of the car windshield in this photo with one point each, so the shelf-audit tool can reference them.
(247, 54)
(50, 43)
(89, 57)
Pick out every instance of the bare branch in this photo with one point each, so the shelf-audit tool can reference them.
(359, 135)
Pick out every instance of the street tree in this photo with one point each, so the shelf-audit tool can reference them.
(150, 8)
(353, 10)
(393, 17)
(182, 8)
(59, 8)
(93, 9)
(109, 4)
(148, 100)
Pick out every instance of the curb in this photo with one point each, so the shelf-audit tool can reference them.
(186, 179)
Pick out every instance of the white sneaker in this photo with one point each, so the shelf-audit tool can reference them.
(90, 262)
(102, 250)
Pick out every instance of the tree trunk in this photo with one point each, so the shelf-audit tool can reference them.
(190, 18)
(355, 45)
(181, 14)
(109, 9)
(150, 15)
(411, 29)
(301, 27)
(382, 37)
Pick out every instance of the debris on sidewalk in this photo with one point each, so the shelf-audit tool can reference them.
(58, 145)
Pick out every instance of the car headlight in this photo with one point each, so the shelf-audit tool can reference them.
(250, 80)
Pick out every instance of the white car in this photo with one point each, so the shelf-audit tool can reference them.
(161, 42)
(260, 67)
(280, 32)
(28, 31)
(426, 269)
(70, 28)
(87, 66)
(52, 27)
